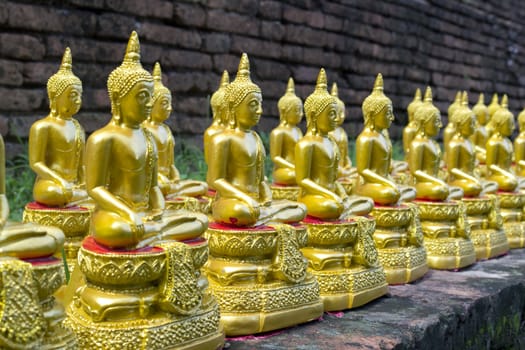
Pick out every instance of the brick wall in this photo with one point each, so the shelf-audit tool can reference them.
(449, 44)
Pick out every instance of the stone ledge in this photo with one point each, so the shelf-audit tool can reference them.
(481, 307)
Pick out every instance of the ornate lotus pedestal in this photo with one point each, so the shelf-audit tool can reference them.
(73, 221)
(446, 234)
(285, 192)
(150, 298)
(30, 317)
(193, 204)
(399, 242)
(486, 227)
(259, 278)
(343, 258)
(511, 205)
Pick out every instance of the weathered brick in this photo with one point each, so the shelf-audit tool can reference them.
(270, 10)
(4, 12)
(321, 58)
(300, 16)
(227, 62)
(249, 7)
(220, 20)
(186, 59)
(114, 25)
(21, 46)
(266, 69)
(272, 30)
(293, 53)
(96, 4)
(158, 33)
(189, 14)
(194, 82)
(261, 47)
(21, 99)
(333, 23)
(87, 49)
(38, 73)
(150, 8)
(216, 43)
(304, 35)
(11, 73)
(96, 99)
(304, 74)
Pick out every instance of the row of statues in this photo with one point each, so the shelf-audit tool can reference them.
(159, 262)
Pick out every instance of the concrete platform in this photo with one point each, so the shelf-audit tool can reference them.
(480, 307)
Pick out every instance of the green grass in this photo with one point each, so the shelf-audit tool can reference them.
(19, 185)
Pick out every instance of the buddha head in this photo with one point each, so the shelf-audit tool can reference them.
(244, 98)
(503, 119)
(130, 88)
(218, 107)
(161, 101)
(454, 105)
(463, 119)
(494, 105)
(290, 106)
(320, 108)
(341, 110)
(414, 105)
(64, 89)
(521, 120)
(481, 111)
(377, 107)
(427, 116)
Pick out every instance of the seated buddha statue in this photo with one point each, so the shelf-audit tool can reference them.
(331, 210)
(282, 144)
(141, 263)
(254, 240)
(449, 131)
(346, 173)
(519, 146)
(56, 155)
(175, 190)
(493, 108)
(482, 207)
(398, 233)
(409, 132)
(219, 115)
(480, 136)
(443, 221)
(31, 317)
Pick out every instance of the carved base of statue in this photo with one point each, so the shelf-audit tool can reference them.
(511, 205)
(285, 192)
(193, 204)
(343, 258)
(446, 234)
(259, 278)
(29, 314)
(149, 298)
(486, 227)
(399, 241)
(73, 221)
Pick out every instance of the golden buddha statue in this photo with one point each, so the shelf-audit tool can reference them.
(30, 316)
(398, 235)
(499, 169)
(220, 117)
(141, 263)
(519, 146)
(179, 194)
(282, 144)
(480, 136)
(443, 217)
(481, 203)
(56, 155)
(346, 173)
(409, 132)
(449, 131)
(493, 108)
(255, 268)
(334, 218)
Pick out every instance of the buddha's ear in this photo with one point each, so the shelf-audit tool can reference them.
(53, 105)
(115, 105)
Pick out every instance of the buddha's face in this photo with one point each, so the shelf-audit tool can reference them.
(327, 119)
(161, 108)
(433, 125)
(466, 128)
(69, 102)
(384, 117)
(136, 106)
(294, 115)
(507, 126)
(248, 112)
(483, 116)
(340, 114)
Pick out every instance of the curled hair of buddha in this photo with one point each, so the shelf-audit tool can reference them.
(414, 104)
(480, 107)
(317, 101)
(340, 103)
(454, 105)
(426, 110)
(217, 99)
(130, 72)
(463, 113)
(494, 105)
(239, 88)
(375, 102)
(288, 100)
(63, 78)
(503, 113)
(158, 87)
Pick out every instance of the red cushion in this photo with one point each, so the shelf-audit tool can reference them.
(220, 226)
(42, 260)
(40, 206)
